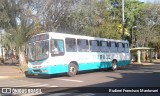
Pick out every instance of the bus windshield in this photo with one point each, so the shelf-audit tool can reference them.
(38, 50)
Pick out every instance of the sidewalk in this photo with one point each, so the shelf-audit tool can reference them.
(10, 70)
(154, 62)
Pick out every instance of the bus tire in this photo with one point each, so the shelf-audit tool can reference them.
(114, 65)
(72, 69)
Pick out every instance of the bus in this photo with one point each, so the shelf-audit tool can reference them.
(53, 53)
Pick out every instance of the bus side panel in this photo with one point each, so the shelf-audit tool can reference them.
(123, 62)
(93, 60)
(124, 59)
(94, 65)
(121, 58)
(60, 68)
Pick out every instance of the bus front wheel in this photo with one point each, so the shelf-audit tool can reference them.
(72, 69)
(114, 65)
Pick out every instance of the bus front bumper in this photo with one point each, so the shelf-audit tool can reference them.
(37, 71)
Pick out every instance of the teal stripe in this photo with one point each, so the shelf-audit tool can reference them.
(94, 65)
(123, 63)
(61, 68)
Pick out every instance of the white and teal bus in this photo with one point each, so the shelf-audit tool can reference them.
(52, 53)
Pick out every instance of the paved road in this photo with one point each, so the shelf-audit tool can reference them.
(130, 76)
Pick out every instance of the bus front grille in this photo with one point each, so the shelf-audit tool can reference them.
(39, 71)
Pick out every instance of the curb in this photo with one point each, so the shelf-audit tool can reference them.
(148, 64)
(143, 63)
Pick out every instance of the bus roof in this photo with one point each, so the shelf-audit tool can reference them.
(79, 36)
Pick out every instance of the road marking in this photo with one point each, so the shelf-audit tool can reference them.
(32, 94)
(28, 85)
(41, 85)
(68, 80)
(3, 77)
(17, 82)
(52, 86)
(21, 83)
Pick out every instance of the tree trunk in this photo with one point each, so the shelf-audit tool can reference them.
(22, 61)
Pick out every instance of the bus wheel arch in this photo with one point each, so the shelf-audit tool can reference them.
(114, 65)
(72, 68)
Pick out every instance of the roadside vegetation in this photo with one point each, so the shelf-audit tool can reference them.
(100, 18)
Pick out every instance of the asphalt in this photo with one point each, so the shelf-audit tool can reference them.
(10, 69)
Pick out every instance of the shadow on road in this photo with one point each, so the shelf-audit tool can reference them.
(131, 77)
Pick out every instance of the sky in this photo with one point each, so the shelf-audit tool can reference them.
(150, 1)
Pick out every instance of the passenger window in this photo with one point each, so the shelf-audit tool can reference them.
(56, 47)
(126, 47)
(94, 46)
(113, 47)
(104, 46)
(120, 47)
(70, 45)
(83, 45)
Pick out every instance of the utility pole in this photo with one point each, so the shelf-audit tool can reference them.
(123, 22)
(132, 36)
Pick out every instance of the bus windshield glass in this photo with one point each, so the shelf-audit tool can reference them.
(38, 50)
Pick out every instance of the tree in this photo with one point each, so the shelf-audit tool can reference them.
(53, 13)
(21, 25)
(149, 25)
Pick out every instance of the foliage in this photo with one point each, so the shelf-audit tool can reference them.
(101, 18)
(149, 26)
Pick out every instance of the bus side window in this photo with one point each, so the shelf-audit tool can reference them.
(82, 45)
(113, 47)
(120, 47)
(104, 46)
(126, 47)
(56, 47)
(94, 46)
(71, 45)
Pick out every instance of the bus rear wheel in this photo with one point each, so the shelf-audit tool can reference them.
(114, 65)
(72, 69)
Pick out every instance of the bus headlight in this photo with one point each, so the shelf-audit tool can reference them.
(29, 66)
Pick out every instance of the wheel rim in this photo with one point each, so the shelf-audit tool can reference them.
(114, 65)
(72, 69)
